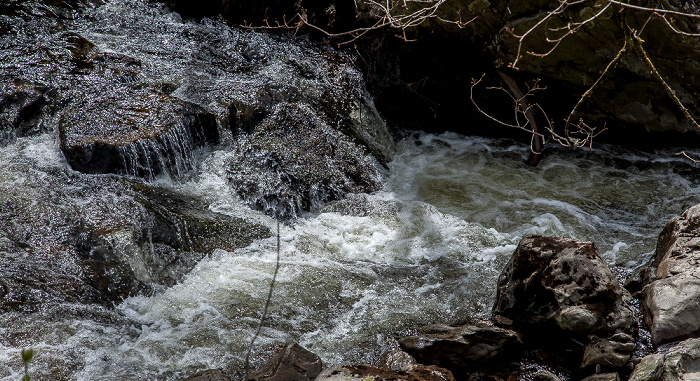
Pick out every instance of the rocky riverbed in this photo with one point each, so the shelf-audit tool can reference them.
(146, 158)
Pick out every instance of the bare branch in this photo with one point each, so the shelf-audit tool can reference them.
(660, 78)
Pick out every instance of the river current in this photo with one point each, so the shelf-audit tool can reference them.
(428, 248)
(354, 275)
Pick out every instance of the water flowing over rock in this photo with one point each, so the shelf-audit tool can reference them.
(293, 362)
(681, 362)
(295, 162)
(21, 107)
(209, 375)
(562, 283)
(139, 133)
(672, 285)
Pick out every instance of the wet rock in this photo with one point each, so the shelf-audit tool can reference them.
(21, 106)
(398, 361)
(176, 232)
(672, 284)
(462, 347)
(613, 352)
(681, 362)
(296, 162)
(650, 368)
(603, 377)
(140, 133)
(544, 375)
(292, 363)
(209, 375)
(562, 283)
(365, 373)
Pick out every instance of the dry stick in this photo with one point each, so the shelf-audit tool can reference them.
(660, 78)
(536, 143)
(267, 302)
(589, 92)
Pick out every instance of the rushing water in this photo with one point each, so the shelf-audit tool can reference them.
(428, 248)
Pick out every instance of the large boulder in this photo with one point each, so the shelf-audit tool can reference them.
(294, 162)
(672, 289)
(564, 284)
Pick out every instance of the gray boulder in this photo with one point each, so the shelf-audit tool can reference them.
(672, 287)
(561, 283)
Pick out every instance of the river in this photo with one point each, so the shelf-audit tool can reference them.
(354, 275)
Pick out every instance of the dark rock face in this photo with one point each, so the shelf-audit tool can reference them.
(140, 133)
(562, 283)
(424, 83)
(672, 287)
(463, 347)
(293, 362)
(21, 107)
(295, 162)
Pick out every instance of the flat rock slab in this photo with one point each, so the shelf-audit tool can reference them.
(136, 132)
(461, 347)
(562, 283)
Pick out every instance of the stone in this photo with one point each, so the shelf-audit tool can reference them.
(603, 377)
(462, 347)
(545, 375)
(292, 363)
(672, 286)
(21, 106)
(615, 351)
(398, 361)
(650, 368)
(209, 375)
(141, 133)
(680, 362)
(365, 373)
(562, 283)
(294, 162)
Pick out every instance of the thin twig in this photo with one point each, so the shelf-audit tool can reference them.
(267, 301)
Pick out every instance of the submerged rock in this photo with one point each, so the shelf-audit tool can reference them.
(564, 284)
(209, 375)
(462, 347)
(292, 363)
(672, 287)
(140, 133)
